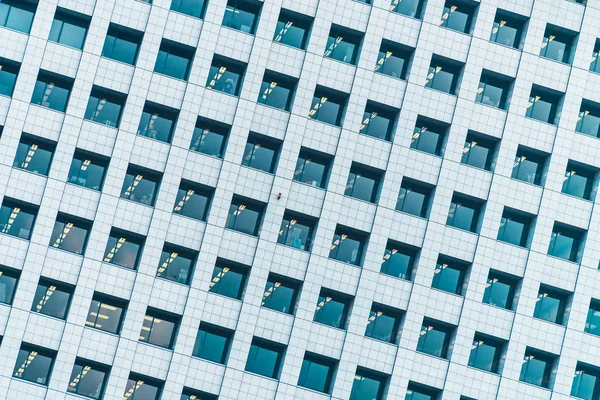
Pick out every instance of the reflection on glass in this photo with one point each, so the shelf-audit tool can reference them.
(514, 229)
(398, 261)
(17, 15)
(413, 198)
(362, 184)
(280, 294)
(332, 309)
(34, 364)
(428, 137)
(499, 291)
(586, 382)
(383, 324)
(507, 30)
(276, 92)
(448, 277)
(245, 218)
(261, 153)
(578, 181)
(51, 299)
(87, 170)
(327, 107)
(342, 46)
(192, 201)
(410, 8)
(8, 76)
(225, 76)
(34, 155)
(457, 17)
(158, 330)
(347, 247)
(264, 358)
(542, 107)
(87, 380)
(536, 368)
(69, 29)
(316, 373)
(140, 186)
(242, 15)
(123, 250)
(296, 232)
(528, 167)
(292, 29)
(52, 92)
(122, 44)
(141, 387)
(433, 339)
(105, 314)
(485, 354)
(157, 123)
(174, 60)
(17, 219)
(367, 385)
(228, 281)
(550, 305)
(194, 8)
(312, 168)
(8, 284)
(104, 108)
(70, 234)
(209, 138)
(592, 323)
(176, 264)
(212, 343)
(565, 244)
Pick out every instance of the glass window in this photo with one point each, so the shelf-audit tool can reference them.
(88, 170)
(566, 242)
(479, 151)
(332, 309)
(158, 122)
(176, 264)
(343, 44)
(142, 387)
(543, 105)
(52, 299)
(226, 75)
(348, 245)
(228, 280)
(368, 384)
(140, 185)
(579, 180)
(122, 44)
(393, 59)
(594, 64)
(464, 212)
(193, 8)
(123, 248)
(586, 382)
(293, 29)
(52, 91)
(17, 14)
(159, 328)
(34, 364)
(193, 200)
(434, 338)
(486, 353)
(508, 29)
(105, 107)
(317, 372)
(70, 233)
(242, 15)
(265, 358)
(443, 75)
(363, 183)
(8, 284)
(449, 275)
(69, 28)
(592, 323)
(493, 90)
(458, 15)
(174, 60)
(414, 198)
(378, 121)
(106, 313)
(399, 260)
(190, 394)
(428, 136)
(261, 152)
(277, 90)
(212, 343)
(245, 215)
(280, 294)
(551, 304)
(558, 43)
(529, 165)
(383, 323)
(296, 230)
(17, 218)
(410, 8)
(328, 106)
(8, 74)
(500, 290)
(210, 137)
(88, 379)
(588, 121)
(515, 227)
(34, 154)
(312, 168)
(537, 367)
(417, 391)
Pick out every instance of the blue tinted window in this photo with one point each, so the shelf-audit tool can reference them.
(122, 44)
(499, 291)
(433, 339)
(174, 60)
(105, 107)
(528, 166)
(34, 155)
(363, 183)
(457, 16)
(485, 353)
(194, 8)
(368, 385)
(411, 8)
(536, 368)
(244, 216)
(17, 14)
(448, 276)
(17, 219)
(69, 28)
(413, 198)
(226, 76)
(52, 91)
(52, 299)
(192, 201)
(332, 309)
(265, 358)
(312, 168)
(70, 234)
(550, 305)
(292, 29)
(347, 247)
(8, 283)
(123, 249)
(464, 213)
(242, 15)
(157, 122)
(212, 343)
(142, 387)
(398, 260)
(140, 186)
(87, 170)
(209, 138)
(8, 76)
(383, 324)
(176, 264)
(34, 364)
(592, 323)
(88, 379)
(228, 281)
(316, 373)
(343, 45)
(586, 384)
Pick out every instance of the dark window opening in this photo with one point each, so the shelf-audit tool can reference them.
(70, 233)
(399, 260)
(343, 44)
(444, 74)
(333, 308)
(229, 279)
(465, 212)
(122, 44)
(261, 152)
(34, 154)
(242, 15)
(174, 60)
(515, 227)
(348, 245)
(297, 230)
(123, 248)
(277, 90)
(226, 75)
(364, 182)
(312, 167)
(210, 137)
(105, 106)
(245, 215)
(293, 29)
(141, 185)
(450, 275)
(429, 136)
(52, 91)
(52, 298)
(328, 106)
(394, 59)
(193, 200)
(176, 264)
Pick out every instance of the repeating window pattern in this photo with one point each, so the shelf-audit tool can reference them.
(274, 175)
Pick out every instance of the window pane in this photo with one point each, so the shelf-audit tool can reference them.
(211, 345)
(227, 282)
(175, 266)
(122, 252)
(33, 366)
(279, 296)
(86, 172)
(8, 285)
(19, 19)
(432, 341)
(331, 311)
(67, 236)
(447, 278)
(497, 293)
(104, 316)
(315, 375)
(263, 361)
(16, 221)
(50, 300)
